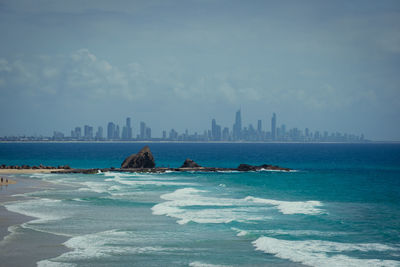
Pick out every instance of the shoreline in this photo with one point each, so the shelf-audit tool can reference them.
(7, 182)
(18, 244)
(28, 171)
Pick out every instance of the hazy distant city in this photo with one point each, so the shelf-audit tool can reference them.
(237, 133)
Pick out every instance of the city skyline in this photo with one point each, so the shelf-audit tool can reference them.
(216, 132)
(330, 66)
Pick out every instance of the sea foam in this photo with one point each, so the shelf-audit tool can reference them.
(225, 210)
(291, 207)
(214, 210)
(322, 253)
(106, 244)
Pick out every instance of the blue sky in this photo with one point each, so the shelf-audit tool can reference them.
(177, 64)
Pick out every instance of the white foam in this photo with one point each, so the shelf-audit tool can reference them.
(240, 232)
(291, 207)
(94, 187)
(43, 209)
(215, 210)
(225, 210)
(106, 244)
(143, 180)
(269, 170)
(230, 171)
(319, 253)
(155, 183)
(297, 233)
(202, 264)
(50, 263)
(119, 174)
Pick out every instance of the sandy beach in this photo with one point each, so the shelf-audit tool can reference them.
(18, 245)
(7, 181)
(27, 171)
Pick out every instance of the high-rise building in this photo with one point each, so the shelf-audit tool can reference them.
(142, 130)
(129, 127)
(116, 134)
(273, 127)
(259, 126)
(237, 127)
(215, 131)
(225, 134)
(110, 131)
(78, 132)
(88, 132)
(148, 133)
(99, 133)
(127, 130)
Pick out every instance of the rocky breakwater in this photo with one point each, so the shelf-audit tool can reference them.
(144, 162)
(38, 167)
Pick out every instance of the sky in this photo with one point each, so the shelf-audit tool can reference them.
(325, 65)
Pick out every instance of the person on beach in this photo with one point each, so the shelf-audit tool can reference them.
(6, 180)
(1, 179)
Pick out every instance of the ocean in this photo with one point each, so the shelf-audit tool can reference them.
(340, 206)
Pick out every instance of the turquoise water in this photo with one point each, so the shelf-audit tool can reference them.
(339, 207)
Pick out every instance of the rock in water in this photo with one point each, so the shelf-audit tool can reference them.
(190, 164)
(143, 159)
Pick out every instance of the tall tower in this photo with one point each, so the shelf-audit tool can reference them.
(213, 129)
(273, 127)
(128, 128)
(237, 127)
(110, 131)
(142, 130)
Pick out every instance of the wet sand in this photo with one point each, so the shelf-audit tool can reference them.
(21, 246)
(28, 171)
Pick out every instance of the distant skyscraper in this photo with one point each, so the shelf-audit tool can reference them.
(237, 127)
(88, 132)
(259, 126)
(142, 130)
(77, 133)
(116, 134)
(215, 131)
(110, 131)
(225, 134)
(99, 133)
(148, 133)
(273, 127)
(127, 130)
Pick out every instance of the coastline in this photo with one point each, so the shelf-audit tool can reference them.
(28, 171)
(19, 245)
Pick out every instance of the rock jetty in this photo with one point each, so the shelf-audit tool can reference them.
(39, 167)
(144, 162)
(190, 164)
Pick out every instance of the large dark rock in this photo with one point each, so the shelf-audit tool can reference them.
(190, 164)
(246, 168)
(143, 159)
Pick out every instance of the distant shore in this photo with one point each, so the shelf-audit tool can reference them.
(194, 142)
